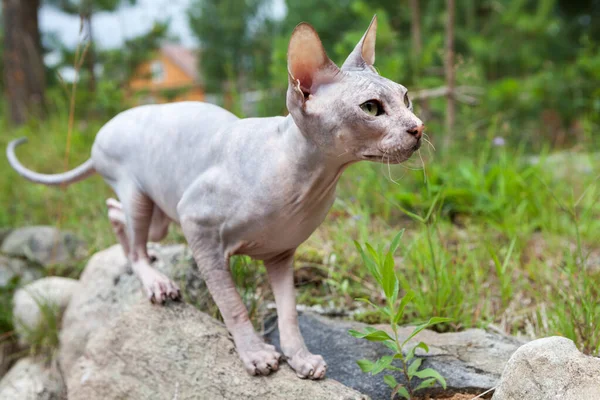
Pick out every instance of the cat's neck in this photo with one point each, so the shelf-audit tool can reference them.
(318, 169)
(304, 146)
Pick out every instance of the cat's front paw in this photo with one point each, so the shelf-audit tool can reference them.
(261, 359)
(307, 365)
(157, 286)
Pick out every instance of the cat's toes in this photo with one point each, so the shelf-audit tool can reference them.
(261, 360)
(161, 291)
(159, 288)
(307, 365)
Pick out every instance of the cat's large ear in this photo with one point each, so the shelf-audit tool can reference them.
(363, 56)
(308, 64)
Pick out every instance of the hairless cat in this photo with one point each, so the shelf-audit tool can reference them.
(254, 186)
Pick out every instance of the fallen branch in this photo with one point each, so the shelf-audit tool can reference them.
(464, 94)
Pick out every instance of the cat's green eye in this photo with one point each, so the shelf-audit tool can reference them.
(372, 107)
(406, 100)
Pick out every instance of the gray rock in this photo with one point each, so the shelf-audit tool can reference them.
(565, 164)
(4, 233)
(32, 379)
(40, 305)
(178, 352)
(8, 351)
(550, 369)
(471, 361)
(107, 288)
(45, 245)
(17, 271)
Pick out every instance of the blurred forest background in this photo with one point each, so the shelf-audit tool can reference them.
(533, 66)
(509, 91)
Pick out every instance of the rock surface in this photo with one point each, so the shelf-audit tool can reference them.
(4, 232)
(17, 271)
(37, 302)
(8, 348)
(31, 379)
(565, 164)
(177, 352)
(108, 288)
(549, 369)
(116, 345)
(45, 245)
(471, 361)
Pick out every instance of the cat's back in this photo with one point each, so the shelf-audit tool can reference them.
(155, 122)
(177, 112)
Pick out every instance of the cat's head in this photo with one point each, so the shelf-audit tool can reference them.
(352, 111)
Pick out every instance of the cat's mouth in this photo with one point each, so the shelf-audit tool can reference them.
(386, 158)
(417, 145)
(395, 157)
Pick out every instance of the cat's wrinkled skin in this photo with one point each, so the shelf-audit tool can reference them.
(256, 186)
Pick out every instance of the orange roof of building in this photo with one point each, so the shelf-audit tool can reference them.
(184, 58)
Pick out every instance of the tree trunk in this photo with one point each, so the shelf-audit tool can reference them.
(415, 27)
(90, 61)
(24, 73)
(450, 78)
(417, 50)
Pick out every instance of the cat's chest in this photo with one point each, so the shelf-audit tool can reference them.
(287, 220)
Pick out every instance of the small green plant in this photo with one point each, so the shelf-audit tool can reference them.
(43, 338)
(382, 268)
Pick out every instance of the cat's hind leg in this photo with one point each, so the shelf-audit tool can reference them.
(138, 210)
(159, 226)
(118, 222)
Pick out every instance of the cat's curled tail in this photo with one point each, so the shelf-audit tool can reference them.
(66, 178)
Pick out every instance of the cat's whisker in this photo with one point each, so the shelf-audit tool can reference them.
(403, 175)
(397, 161)
(406, 164)
(426, 140)
(423, 164)
(409, 167)
(429, 142)
(345, 152)
(430, 150)
(390, 171)
(403, 166)
(386, 157)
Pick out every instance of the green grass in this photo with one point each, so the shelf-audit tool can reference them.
(42, 339)
(471, 260)
(79, 208)
(381, 266)
(507, 243)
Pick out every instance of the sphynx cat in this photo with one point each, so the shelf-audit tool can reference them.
(254, 186)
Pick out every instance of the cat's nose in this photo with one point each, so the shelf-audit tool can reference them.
(416, 131)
